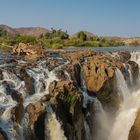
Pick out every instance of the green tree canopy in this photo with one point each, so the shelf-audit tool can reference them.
(82, 36)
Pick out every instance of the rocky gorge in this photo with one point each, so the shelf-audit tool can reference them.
(69, 95)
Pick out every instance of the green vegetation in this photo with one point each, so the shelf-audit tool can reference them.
(70, 100)
(57, 39)
(57, 46)
(25, 39)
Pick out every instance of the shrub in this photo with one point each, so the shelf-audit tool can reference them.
(82, 36)
(57, 46)
(25, 39)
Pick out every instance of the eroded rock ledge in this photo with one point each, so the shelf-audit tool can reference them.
(65, 95)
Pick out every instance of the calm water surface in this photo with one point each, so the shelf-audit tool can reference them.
(107, 49)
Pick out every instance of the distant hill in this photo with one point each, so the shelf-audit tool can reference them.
(8, 29)
(33, 31)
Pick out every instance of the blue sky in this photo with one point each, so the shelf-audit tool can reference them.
(102, 17)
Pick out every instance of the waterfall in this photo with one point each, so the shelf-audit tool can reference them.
(99, 115)
(84, 91)
(53, 126)
(123, 124)
(135, 56)
(102, 121)
(130, 75)
(122, 87)
(42, 78)
(126, 114)
(6, 106)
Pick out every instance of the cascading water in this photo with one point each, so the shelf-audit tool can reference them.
(53, 126)
(42, 78)
(105, 128)
(122, 85)
(99, 115)
(127, 113)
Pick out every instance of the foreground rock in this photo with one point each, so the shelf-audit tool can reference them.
(36, 126)
(75, 73)
(3, 135)
(134, 133)
(67, 102)
(99, 75)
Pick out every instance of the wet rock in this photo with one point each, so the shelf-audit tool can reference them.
(134, 133)
(53, 63)
(29, 81)
(70, 71)
(124, 56)
(36, 125)
(45, 98)
(74, 72)
(34, 111)
(99, 76)
(10, 91)
(3, 135)
(67, 102)
(1, 75)
(134, 68)
(18, 112)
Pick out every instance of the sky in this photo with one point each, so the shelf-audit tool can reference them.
(101, 17)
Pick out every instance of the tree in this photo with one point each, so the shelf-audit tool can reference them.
(82, 36)
(3, 32)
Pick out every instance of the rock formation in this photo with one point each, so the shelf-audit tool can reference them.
(135, 129)
(76, 74)
(31, 52)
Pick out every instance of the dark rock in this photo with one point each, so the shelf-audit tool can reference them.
(18, 112)
(67, 102)
(3, 135)
(29, 81)
(36, 125)
(134, 133)
(124, 56)
(134, 70)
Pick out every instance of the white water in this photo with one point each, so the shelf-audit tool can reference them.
(127, 113)
(6, 104)
(42, 77)
(119, 130)
(122, 85)
(53, 127)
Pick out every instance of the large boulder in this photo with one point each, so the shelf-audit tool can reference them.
(134, 133)
(99, 76)
(67, 102)
(98, 70)
(124, 56)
